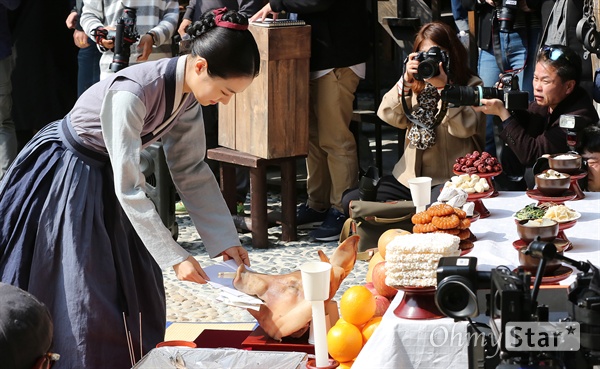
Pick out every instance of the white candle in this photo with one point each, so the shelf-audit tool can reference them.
(315, 283)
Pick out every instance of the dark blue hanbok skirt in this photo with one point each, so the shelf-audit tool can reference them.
(65, 238)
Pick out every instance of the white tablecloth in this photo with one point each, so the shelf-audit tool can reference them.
(440, 343)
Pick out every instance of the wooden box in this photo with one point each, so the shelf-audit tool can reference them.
(270, 118)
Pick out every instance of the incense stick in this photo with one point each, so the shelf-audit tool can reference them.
(133, 361)
(141, 340)
(127, 337)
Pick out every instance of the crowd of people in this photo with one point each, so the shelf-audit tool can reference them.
(78, 231)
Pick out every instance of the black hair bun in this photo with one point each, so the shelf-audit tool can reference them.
(207, 22)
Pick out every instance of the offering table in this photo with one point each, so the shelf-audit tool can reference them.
(442, 343)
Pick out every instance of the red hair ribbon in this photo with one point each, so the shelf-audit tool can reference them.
(226, 24)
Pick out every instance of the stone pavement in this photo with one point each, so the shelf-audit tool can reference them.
(192, 302)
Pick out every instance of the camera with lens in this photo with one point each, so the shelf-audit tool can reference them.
(511, 299)
(457, 283)
(123, 36)
(471, 95)
(429, 63)
(506, 14)
(584, 296)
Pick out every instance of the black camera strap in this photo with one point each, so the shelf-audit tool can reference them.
(439, 117)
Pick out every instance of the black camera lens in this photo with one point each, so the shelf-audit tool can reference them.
(461, 95)
(469, 96)
(456, 297)
(125, 35)
(428, 69)
(429, 63)
(492, 93)
(507, 14)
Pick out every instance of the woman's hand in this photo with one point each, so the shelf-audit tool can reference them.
(238, 254)
(493, 107)
(411, 68)
(190, 270)
(263, 13)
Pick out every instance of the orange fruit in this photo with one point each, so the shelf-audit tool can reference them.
(344, 342)
(357, 305)
(369, 328)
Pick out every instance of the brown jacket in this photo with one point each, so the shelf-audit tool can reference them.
(461, 132)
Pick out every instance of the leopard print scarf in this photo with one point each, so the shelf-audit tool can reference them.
(424, 137)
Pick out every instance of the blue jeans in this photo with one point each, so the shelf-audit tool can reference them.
(8, 138)
(88, 73)
(516, 48)
(460, 15)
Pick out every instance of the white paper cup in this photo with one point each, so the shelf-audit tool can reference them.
(420, 191)
(315, 280)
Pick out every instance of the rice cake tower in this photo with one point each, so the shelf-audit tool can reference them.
(412, 260)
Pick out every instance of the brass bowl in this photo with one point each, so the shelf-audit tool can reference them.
(552, 186)
(546, 229)
(569, 163)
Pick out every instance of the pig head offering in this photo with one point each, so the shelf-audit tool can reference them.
(285, 311)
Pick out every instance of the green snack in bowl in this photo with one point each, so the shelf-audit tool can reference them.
(530, 211)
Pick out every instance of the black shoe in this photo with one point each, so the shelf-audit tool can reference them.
(331, 228)
(307, 218)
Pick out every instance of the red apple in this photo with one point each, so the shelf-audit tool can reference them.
(371, 288)
(379, 281)
(382, 303)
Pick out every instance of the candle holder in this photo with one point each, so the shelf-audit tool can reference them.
(420, 192)
(315, 283)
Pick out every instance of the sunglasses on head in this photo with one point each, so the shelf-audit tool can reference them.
(554, 53)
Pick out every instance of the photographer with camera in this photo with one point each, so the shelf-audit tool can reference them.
(507, 37)
(130, 31)
(436, 134)
(529, 134)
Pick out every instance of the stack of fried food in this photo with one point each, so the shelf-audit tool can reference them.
(443, 218)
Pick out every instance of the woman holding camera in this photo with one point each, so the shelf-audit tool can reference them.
(78, 230)
(435, 134)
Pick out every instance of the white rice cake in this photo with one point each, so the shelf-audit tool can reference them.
(411, 260)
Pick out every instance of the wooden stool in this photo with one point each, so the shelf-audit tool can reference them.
(258, 223)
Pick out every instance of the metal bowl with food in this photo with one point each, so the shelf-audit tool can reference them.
(552, 183)
(569, 163)
(529, 229)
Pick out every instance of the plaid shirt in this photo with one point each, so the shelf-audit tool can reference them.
(159, 16)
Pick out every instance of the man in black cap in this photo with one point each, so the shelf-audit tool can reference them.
(25, 330)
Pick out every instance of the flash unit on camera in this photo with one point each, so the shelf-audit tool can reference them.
(567, 121)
